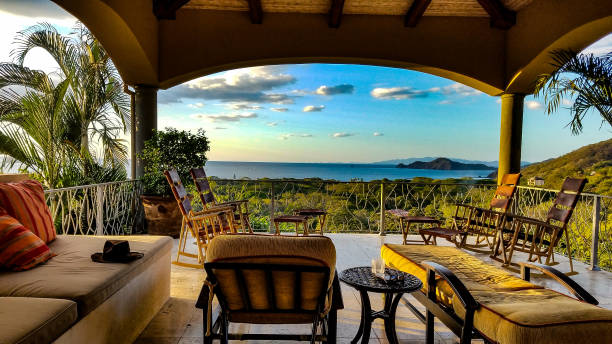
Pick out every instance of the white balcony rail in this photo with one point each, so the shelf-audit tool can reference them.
(98, 209)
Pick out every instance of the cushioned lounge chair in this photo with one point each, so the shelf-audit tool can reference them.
(263, 279)
(477, 300)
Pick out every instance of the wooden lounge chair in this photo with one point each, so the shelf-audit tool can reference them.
(539, 238)
(241, 215)
(483, 223)
(267, 279)
(478, 300)
(202, 226)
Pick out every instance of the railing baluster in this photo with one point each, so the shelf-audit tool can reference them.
(381, 228)
(272, 209)
(595, 235)
(99, 210)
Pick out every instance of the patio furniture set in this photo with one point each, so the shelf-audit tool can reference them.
(272, 279)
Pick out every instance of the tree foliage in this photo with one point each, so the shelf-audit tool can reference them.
(585, 78)
(172, 148)
(63, 127)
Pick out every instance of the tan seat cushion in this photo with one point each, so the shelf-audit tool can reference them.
(538, 316)
(25, 320)
(473, 272)
(268, 249)
(73, 276)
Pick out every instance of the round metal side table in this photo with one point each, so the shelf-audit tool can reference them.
(362, 279)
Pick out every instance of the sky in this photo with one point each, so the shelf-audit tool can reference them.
(334, 113)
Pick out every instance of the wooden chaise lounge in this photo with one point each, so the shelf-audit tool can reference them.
(478, 300)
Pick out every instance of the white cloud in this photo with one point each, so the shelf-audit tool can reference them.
(277, 109)
(397, 93)
(567, 102)
(332, 90)
(232, 117)
(601, 47)
(445, 102)
(196, 105)
(533, 105)
(247, 85)
(243, 106)
(337, 135)
(314, 108)
(272, 124)
(289, 135)
(220, 128)
(460, 89)
(376, 133)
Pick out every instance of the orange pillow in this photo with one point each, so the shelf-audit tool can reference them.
(25, 201)
(20, 249)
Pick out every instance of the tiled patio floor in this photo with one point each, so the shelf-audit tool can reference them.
(179, 322)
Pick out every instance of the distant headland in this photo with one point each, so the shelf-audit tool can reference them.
(444, 164)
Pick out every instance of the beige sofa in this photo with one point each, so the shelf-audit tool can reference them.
(71, 299)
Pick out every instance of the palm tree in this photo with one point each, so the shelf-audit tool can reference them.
(62, 130)
(587, 78)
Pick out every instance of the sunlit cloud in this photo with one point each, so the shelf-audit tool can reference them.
(314, 108)
(232, 117)
(272, 124)
(220, 128)
(277, 109)
(460, 89)
(243, 106)
(290, 135)
(397, 93)
(247, 85)
(196, 105)
(376, 133)
(333, 90)
(338, 135)
(534, 105)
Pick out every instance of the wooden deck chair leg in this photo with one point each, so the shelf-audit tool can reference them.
(569, 250)
(181, 239)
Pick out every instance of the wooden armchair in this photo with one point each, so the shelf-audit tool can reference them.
(264, 279)
(240, 216)
(202, 226)
(483, 223)
(539, 238)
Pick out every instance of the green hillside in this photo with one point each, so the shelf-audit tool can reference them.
(592, 161)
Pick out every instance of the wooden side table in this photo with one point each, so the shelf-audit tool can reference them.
(320, 213)
(297, 219)
(406, 220)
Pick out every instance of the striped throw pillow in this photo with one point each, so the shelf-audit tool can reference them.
(25, 201)
(20, 249)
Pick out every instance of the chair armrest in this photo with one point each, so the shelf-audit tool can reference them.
(464, 295)
(216, 208)
(205, 215)
(558, 276)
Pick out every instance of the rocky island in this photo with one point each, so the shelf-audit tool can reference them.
(444, 164)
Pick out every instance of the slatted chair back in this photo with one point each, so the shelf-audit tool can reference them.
(203, 186)
(179, 191)
(565, 202)
(505, 192)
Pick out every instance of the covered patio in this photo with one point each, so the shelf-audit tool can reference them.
(495, 46)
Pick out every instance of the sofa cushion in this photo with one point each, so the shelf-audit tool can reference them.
(20, 249)
(538, 316)
(25, 201)
(25, 320)
(473, 272)
(74, 276)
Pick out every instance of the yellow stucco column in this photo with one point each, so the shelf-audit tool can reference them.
(510, 135)
(145, 121)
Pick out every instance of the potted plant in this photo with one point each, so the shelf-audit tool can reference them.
(171, 148)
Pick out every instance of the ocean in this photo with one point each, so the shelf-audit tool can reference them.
(337, 171)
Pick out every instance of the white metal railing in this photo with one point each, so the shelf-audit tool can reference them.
(98, 209)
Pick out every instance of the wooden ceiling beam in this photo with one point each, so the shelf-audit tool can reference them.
(166, 9)
(335, 13)
(255, 11)
(415, 12)
(501, 17)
